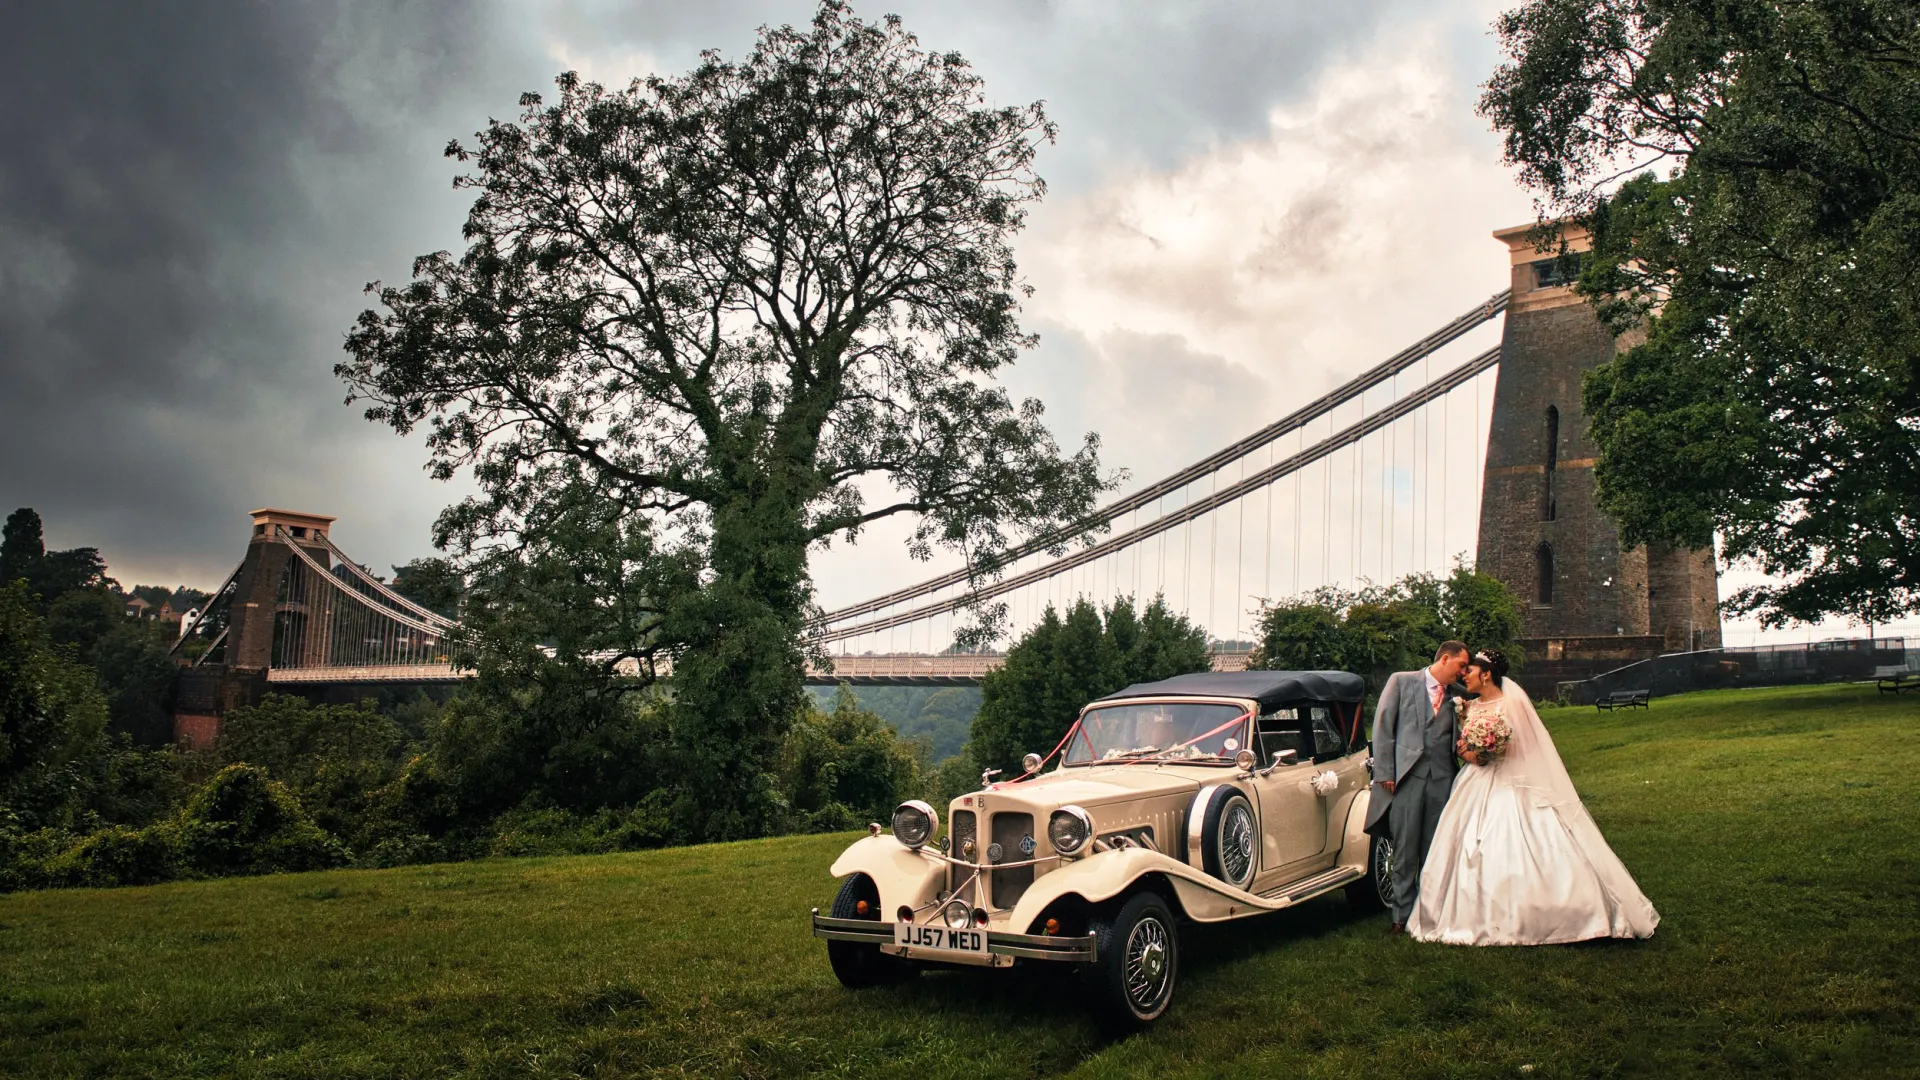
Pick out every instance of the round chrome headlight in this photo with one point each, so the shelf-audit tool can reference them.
(914, 823)
(1068, 829)
(957, 915)
(1032, 762)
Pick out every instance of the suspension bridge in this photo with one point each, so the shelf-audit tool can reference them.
(1358, 485)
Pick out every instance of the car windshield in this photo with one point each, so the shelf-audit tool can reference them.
(1181, 730)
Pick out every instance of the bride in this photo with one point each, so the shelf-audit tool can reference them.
(1515, 859)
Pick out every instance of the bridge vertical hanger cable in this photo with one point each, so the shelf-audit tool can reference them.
(1239, 556)
(1267, 588)
(1426, 445)
(1386, 472)
(1326, 510)
(1293, 583)
(1213, 557)
(1186, 570)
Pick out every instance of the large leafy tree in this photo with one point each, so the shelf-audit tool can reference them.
(704, 324)
(1770, 255)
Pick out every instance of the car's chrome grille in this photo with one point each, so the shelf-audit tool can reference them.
(1008, 830)
(961, 831)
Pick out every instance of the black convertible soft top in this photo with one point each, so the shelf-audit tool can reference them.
(1269, 688)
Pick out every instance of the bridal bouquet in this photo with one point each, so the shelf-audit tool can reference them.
(1486, 733)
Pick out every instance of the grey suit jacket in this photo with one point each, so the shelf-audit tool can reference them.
(1400, 737)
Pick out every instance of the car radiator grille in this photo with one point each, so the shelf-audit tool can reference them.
(962, 830)
(1009, 885)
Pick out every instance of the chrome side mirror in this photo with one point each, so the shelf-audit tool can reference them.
(1281, 757)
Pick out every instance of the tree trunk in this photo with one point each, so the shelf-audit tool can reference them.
(737, 684)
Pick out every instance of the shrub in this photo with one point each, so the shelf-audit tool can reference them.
(833, 817)
(117, 855)
(843, 766)
(550, 830)
(27, 855)
(243, 822)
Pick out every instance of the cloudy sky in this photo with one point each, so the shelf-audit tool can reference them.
(1249, 203)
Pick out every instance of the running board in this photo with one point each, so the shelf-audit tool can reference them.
(1318, 884)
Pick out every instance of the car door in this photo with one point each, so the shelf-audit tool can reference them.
(1337, 749)
(1293, 819)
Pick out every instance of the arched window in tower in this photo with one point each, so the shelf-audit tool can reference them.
(1549, 507)
(1543, 567)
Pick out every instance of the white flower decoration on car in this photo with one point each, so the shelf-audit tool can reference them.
(1325, 783)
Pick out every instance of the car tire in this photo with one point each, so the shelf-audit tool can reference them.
(1375, 891)
(858, 965)
(1230, 839)
(1137, 963)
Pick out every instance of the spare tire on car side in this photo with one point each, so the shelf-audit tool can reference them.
(1223, 835)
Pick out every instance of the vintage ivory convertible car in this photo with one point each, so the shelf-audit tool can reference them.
(1203, 797)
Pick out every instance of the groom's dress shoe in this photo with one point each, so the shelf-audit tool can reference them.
(1397, 928)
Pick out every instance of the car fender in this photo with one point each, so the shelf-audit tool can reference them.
(903, 875)
(1356, 847)
(1108, 874)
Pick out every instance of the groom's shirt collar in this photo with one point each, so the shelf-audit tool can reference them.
(1427, 674)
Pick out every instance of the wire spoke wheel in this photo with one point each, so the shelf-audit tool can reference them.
(1147, 967)
(1138, 962)
(1382, 870)
(1236, 842)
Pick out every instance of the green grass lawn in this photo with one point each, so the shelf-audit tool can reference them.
(1774, 829)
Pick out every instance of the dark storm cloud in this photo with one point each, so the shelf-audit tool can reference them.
(190, 196)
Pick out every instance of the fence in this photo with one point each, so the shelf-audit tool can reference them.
(1839, 660)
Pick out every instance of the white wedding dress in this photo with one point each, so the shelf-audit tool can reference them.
(1516, 859)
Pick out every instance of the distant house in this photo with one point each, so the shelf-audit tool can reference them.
(138, 608)
(167, 615)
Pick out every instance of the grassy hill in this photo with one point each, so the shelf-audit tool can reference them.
(1773, 828)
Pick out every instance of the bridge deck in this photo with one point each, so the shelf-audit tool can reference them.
(887, 669)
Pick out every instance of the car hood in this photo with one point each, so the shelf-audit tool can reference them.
(1102, 785)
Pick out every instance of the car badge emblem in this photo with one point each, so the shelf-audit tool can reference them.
(1026, 845)
(995, 853)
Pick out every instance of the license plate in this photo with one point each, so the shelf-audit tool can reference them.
(937, 938)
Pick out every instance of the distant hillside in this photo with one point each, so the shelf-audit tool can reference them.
(942, 715)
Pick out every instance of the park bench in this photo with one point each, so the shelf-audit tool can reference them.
(1625, 699)
(1894, 680)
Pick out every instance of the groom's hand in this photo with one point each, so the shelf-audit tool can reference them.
(1388, 784)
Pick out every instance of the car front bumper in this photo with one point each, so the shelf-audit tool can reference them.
(1002, 947)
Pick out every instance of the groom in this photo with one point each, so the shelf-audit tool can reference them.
(1413, 767)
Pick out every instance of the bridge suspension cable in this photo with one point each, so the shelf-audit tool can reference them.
(218, 600)
(1295, 421)
(331, 620)
(393, 599)
(1348, 436)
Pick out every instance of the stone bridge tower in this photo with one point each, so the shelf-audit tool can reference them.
(201, 695)
(1588, 606)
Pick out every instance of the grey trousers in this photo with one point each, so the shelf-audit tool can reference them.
(1417, 803)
